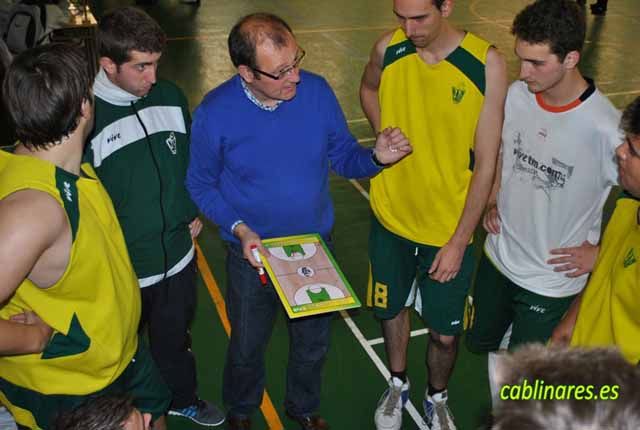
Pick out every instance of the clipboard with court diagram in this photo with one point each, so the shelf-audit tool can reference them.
(306, 276)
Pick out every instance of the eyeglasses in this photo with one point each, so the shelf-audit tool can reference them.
(284, 72)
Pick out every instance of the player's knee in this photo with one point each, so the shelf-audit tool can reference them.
(444, 341)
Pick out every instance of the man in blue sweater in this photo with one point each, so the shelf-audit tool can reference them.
(262, 144)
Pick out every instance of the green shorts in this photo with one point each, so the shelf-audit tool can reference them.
(396, 263)
(498, 303)
(141, 379)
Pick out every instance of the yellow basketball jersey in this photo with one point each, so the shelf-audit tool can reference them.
(609, 309)
(421, 198)
(94, 308)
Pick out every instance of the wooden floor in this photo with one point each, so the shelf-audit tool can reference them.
(337, 36)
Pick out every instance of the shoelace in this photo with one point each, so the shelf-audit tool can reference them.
(392, 400)
(443, 414)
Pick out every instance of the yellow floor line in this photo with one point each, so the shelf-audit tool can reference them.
(269, 412)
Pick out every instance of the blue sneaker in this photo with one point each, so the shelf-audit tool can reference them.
(202, 412)
(437, 415)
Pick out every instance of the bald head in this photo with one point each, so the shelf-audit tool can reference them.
(254, 30)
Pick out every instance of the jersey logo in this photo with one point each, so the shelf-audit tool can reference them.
(629, 259)
(67, 191)
(113, 138)
(542, 135)
(172, 143)
(545, 175)
(538, 309)
(397, 51)
(458, 92)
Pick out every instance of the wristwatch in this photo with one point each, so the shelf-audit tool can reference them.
(375, 160)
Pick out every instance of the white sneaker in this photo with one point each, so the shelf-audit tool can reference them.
(6, 420)
(388, 414)
(437, 415)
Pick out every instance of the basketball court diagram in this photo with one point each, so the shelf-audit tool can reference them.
(307, 279)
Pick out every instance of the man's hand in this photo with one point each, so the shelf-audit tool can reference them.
(564, 330)
(578, 259)
(249, 238)
(195, 227)
(40, 330)
(447, 262)
(391, 145)
(561, 335)
(491, 219)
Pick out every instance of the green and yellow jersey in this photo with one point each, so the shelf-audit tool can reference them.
(609, 309)
(94, 308)
(437, 106)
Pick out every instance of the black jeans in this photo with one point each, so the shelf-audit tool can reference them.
(168, 308)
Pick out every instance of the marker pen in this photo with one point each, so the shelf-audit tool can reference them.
(256, 256)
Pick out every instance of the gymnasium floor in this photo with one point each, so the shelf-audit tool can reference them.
(338, 36)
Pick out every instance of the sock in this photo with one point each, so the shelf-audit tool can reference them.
(400, 375)
(492, 370)
(431, 390)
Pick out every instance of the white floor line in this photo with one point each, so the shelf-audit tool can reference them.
(498, 23)
(355, 120)
(414, 333)
(222, 33)
(623, 93)
(345, 48)
(413, 412)
(358, 187)
(367, 139)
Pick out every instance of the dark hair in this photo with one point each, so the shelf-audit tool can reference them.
(122, 30)
(438, 3)
(559, 23)
(564, 367)
(250, 31)
(43, 92)
(630, 122)
(8, 135)
(100, 413)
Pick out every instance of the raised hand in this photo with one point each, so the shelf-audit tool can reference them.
(392, 145)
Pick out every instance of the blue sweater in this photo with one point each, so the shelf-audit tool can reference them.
(271, 169)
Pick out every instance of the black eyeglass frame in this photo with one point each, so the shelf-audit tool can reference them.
(284, 72)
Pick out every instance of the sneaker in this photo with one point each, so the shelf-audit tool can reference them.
(388, 414)
(437, 415)
(202, 412)
(6, 420)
